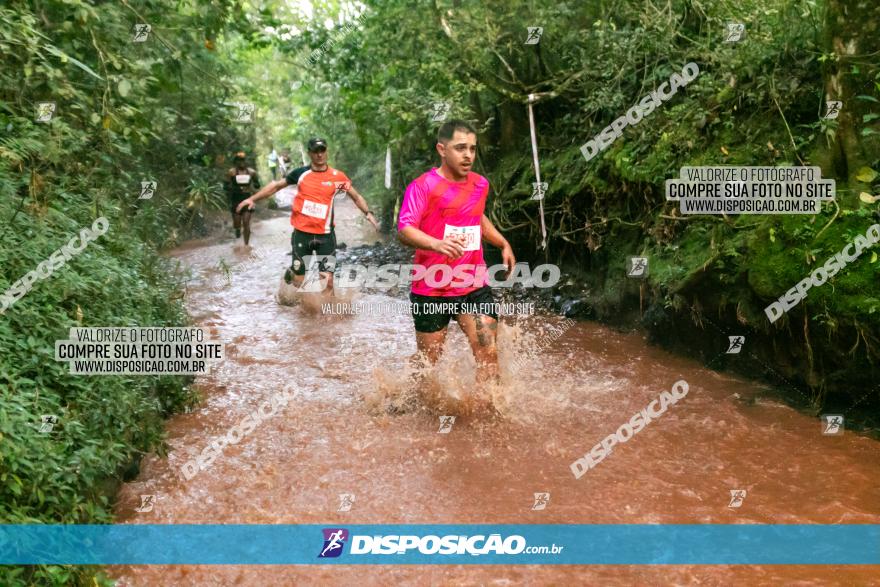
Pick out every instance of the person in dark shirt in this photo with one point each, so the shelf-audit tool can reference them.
(241, 183)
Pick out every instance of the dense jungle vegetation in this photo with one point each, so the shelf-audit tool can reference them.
(366, 75)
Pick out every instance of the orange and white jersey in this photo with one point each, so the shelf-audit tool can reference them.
(312, 209)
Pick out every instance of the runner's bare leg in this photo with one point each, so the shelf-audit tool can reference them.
(481, 332)
(246, 220)
(325, 277)
(236, 221)
(328, 289)
(430, 347)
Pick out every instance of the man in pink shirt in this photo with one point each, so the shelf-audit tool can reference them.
(442, 218)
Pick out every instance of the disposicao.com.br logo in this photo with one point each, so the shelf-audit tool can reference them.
(452, 544)
(334, 540)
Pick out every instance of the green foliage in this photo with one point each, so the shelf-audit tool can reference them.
(756, 102)
(163, 110)
(125, 112)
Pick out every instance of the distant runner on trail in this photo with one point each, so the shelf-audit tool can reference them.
(442, 217)
(312, 211)
(241, 181)
(284, 162)
(272, 162)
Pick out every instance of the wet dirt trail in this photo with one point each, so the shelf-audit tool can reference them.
(335, 438)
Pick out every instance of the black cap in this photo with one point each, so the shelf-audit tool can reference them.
(316, 143)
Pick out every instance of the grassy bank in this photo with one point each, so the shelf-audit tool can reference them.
(124, 112)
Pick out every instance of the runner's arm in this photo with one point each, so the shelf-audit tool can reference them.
(227, 184)
(361, 203)
(269, 189)
(493, 237)
(415, 201)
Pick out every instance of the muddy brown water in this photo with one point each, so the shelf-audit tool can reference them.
(336, 438)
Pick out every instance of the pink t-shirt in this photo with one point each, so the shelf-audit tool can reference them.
(437, 207)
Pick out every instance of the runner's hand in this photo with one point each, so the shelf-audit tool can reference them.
(244, 203)
(373, 220)
(508, 259)
(451, 247)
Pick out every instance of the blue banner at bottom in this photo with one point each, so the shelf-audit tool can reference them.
(637, 544)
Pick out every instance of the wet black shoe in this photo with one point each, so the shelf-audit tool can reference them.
(288, 276)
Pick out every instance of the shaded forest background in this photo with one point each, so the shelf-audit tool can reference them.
(165, 110)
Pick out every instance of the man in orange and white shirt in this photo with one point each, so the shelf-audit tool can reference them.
(312, 210)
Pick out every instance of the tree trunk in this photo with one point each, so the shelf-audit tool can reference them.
(851, 33)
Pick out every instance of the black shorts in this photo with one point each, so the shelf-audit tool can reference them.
(432, 313)
(306, 244)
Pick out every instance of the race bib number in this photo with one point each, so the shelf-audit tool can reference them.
(243, 179)
(314, 209)
(469, 236)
